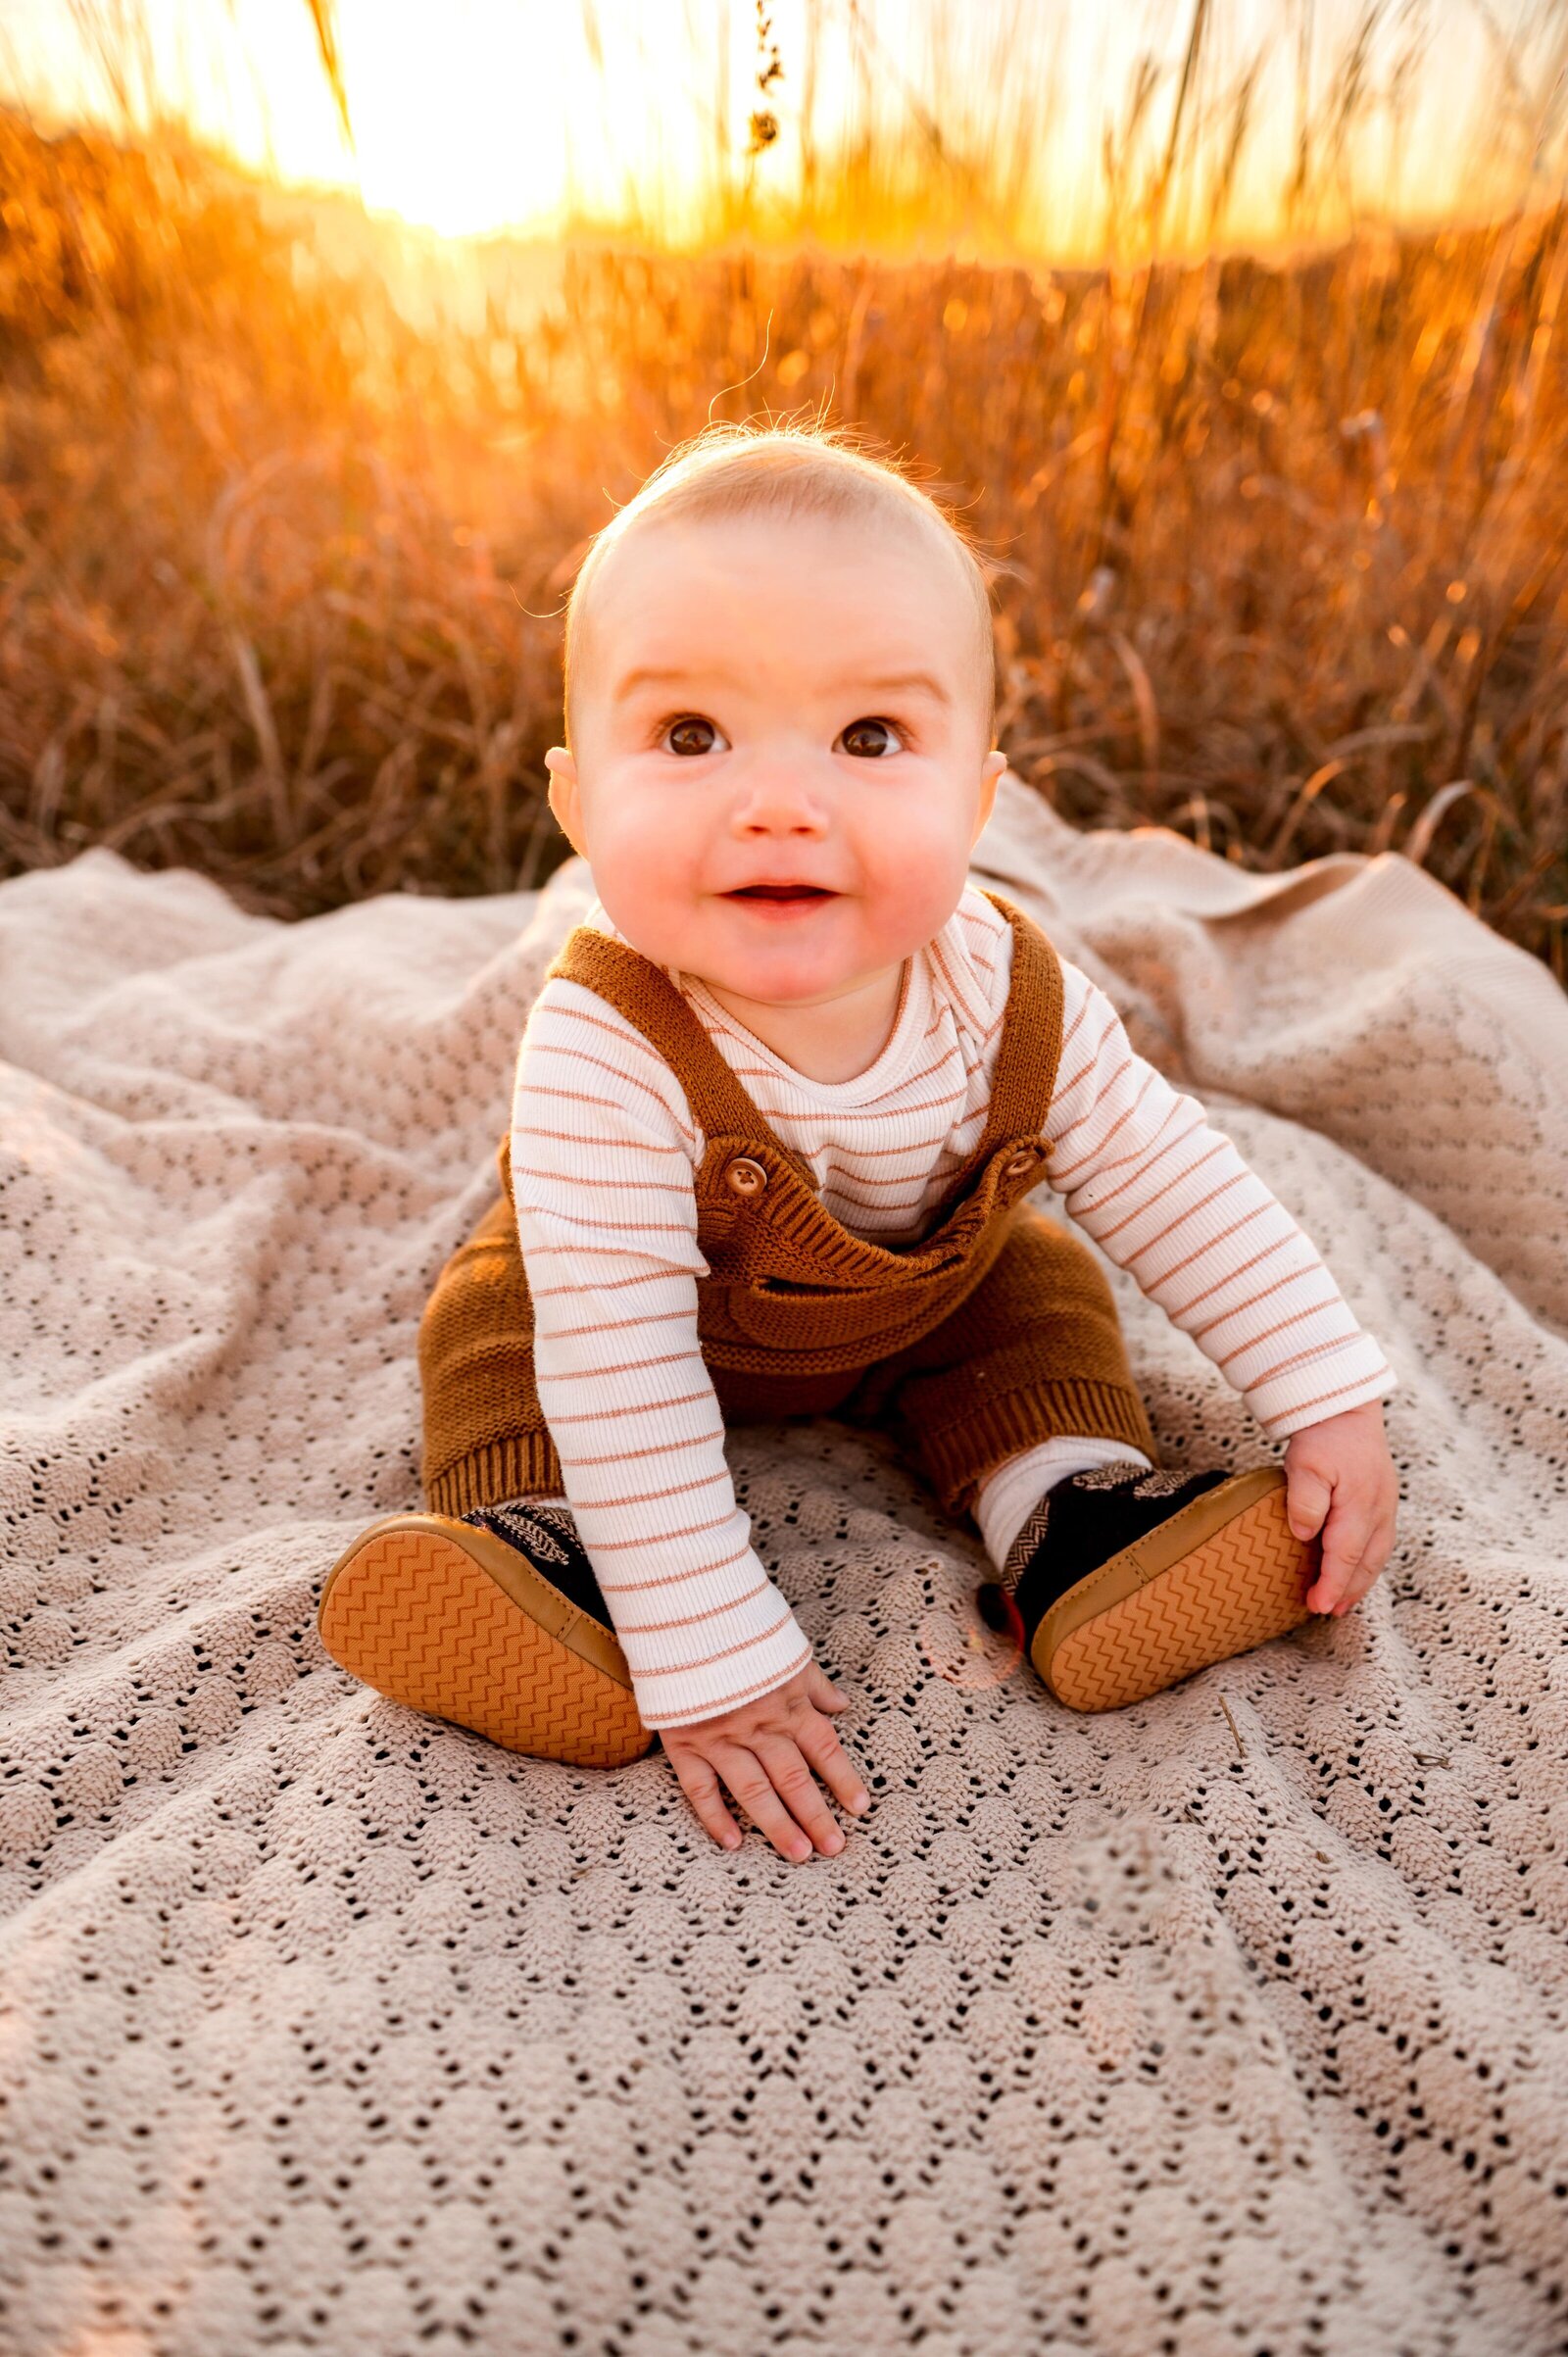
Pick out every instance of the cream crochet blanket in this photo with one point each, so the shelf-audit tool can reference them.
(1228, 2023)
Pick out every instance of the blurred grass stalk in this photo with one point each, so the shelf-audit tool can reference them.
(1279, 548)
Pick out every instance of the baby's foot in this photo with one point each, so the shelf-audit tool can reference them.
(496, 1622)
(1123, 1581)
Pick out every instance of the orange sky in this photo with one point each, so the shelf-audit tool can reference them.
(477, 115)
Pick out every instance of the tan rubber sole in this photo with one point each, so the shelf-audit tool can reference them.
(1225, 1575)
(451, 1621)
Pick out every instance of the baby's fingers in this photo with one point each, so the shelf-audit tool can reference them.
(752, 1783)
(1345, 1537)
(1307, 1499)
(834, 1765)
(821, 1691)
(800, 1791)
(702, 1789)
(1370, 1569)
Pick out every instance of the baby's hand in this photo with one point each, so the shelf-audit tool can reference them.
(765, 1751)
(1341, 1469)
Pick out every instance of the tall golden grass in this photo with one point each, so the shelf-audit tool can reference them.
(1280, 549)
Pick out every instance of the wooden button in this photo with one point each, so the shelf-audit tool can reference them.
(744, 1178)
(1018, 1163)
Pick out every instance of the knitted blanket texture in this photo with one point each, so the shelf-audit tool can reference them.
(1230, 2023)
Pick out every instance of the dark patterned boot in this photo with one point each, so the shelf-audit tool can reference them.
(1123, 1581)
(495, 1622)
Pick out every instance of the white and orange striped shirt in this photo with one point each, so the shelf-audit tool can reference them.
(604, 1154)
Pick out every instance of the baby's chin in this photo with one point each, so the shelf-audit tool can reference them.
(794, 957)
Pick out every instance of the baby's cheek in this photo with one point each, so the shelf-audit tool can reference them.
(917, 874)
(641, 868)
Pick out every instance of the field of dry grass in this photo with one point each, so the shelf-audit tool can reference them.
(1279, 551)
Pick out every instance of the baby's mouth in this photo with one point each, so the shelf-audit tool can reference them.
(782, 895)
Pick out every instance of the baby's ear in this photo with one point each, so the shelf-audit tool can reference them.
(564, 794)
(992, 770)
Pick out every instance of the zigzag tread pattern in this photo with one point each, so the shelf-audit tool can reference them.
(1238, 1589)
(412, 1614)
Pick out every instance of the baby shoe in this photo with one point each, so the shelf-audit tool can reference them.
(496, 1622)
(1122, 1581)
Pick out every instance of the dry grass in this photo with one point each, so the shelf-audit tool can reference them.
(1282, 550)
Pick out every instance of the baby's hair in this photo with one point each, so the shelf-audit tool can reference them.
(798, 470)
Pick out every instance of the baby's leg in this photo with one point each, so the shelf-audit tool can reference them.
(1027, 1382)
(484, 1609)
(1009, 1501)
(1116, 1578)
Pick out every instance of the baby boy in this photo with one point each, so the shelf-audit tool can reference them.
(778, 1109)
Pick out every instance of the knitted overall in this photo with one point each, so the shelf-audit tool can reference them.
(996, 1332)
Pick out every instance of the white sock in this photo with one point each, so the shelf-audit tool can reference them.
(1010, 1495)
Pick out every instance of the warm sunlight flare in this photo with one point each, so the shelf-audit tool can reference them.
(1236, 329)
(488, 115)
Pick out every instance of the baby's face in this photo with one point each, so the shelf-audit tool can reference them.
(781, 762)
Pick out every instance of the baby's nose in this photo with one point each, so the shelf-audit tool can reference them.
(780, 800)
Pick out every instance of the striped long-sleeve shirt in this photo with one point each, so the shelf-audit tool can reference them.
(605, 1151)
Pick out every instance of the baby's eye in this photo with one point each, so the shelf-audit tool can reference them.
(690, 735)
(870, 740)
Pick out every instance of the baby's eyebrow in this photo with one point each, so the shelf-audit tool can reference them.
(658, 675)
(895, 683)
(904, 683)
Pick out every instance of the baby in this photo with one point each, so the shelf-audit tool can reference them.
(778, 1109)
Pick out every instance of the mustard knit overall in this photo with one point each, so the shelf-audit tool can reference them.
(994, 1332)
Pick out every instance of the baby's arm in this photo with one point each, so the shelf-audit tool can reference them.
(1169, 1198)
(603, 1157)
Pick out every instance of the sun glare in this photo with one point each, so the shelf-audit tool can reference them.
(482, 116)
(460, 114)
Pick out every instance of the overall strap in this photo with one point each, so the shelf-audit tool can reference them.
(644, 994)
(1029, 1058)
